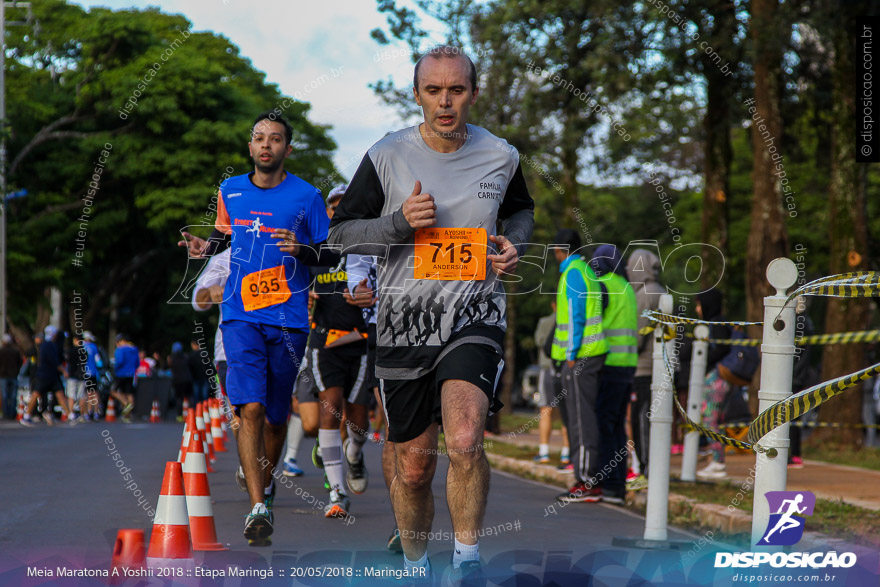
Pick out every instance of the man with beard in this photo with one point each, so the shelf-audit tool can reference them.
(265, 316)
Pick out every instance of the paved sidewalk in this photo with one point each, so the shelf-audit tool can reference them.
(827, 480)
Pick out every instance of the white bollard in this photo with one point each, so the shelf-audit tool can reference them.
(777, 360)
(660, 416)
(696, 385)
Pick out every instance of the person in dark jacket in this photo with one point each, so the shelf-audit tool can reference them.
(10, 365)
(181, 376)
(47, 378)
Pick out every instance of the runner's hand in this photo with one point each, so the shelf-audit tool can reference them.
(289, 244)
(312, 297)
(506, 259)
(195, 246)
(419, 209)
(363, 295)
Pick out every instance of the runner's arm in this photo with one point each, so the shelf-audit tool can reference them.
(517, 212)
(358, 224)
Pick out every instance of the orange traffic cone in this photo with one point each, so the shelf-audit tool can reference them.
(170, 544)
(216, 432)
(185, 408)
(19, 412)
(209, 435)
(200, 426)
(155, 416)
(198, 497)
(128, 553)
(188, 428)
(110, 416)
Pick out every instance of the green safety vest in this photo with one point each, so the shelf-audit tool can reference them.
(593, 342)
(620, 322)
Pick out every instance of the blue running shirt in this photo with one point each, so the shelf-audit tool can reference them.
(265, 285)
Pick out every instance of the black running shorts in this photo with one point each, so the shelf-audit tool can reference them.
(412, 405)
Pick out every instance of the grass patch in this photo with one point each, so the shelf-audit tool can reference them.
(834, 518)
(523, 423)
(866, 457)
(516, 451)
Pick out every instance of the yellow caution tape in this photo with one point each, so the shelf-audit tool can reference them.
(859, 284)
(801, 424)
(670, 320)
(815, 339)
(805, 401)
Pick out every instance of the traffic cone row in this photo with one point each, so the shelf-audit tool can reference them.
(184, 520)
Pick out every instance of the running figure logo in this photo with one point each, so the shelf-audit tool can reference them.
(255, 228)
(786, 526)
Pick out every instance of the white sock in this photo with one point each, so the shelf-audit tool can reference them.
(294, 437)
(331, 451)
(636, 464)
(465, 552)
(543, 449)
(268, 490)
(422, 562)
(565, 453)
(353, 452)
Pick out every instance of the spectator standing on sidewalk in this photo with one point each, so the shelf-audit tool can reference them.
(549, 390)
(619, 324)
(10, 365)
(199, 372)
(580, 342)
(643, 269)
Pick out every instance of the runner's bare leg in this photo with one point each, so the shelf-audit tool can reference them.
(252, 448)
(411, 496)
(467, 483)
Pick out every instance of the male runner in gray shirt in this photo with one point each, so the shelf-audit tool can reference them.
(425, 200)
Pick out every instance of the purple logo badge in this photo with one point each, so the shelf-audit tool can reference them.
(787, 516)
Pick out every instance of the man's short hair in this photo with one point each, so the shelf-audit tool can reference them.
(445, 52)
(567, 238)
(272, 116)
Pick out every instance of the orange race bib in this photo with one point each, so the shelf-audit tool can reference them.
(450, 254)
(265, 288)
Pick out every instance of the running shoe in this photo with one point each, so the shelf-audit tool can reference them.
(127, 410)
(796, 463)
(564, 460)
(338, 506)
(394, 544)
(676, 449)
(240, 480)
(356, 476)
(613, 497)
(714, 470)
(291, 469)
(268, 500)
(565, 467)
(48, 418)
(468, 574)
(637, 484)
(258, 526)
(26, 421)
(317, 460)
(542, 459)
(581, 493)
(376, 437)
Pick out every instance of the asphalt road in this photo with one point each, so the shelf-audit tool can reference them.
(63, 500)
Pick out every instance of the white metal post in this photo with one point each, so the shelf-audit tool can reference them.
(660, 415)
(777, 360)
(696, 385)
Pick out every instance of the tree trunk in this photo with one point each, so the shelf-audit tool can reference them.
(768, 238)
(717, 173)
(848, 234)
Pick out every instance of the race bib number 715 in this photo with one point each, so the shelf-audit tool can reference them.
(450, 254)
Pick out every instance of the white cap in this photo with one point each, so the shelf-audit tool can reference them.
(336, 193)
(87, 335)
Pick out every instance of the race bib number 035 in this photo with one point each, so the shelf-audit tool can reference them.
(265, 288)
(450, 254)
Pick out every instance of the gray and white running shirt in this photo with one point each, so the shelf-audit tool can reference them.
(436, 288)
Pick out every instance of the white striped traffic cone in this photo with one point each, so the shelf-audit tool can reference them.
(200, 426)
(188, 427)
(155, 416)
(170, 544)
(198, 497)
(216, 432)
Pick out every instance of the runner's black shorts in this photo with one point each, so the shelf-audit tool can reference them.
(344, 367)
(48, 385)
(413, 405)
(124, 385)
(304, 389)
